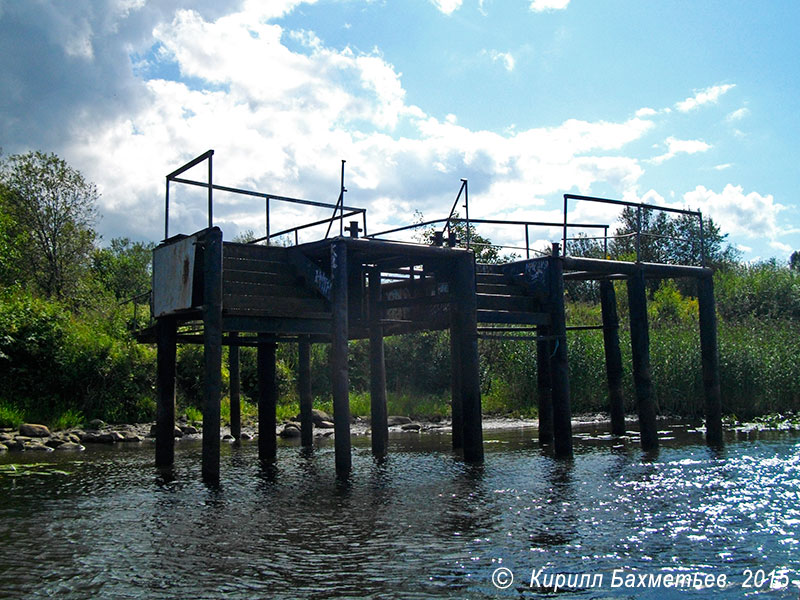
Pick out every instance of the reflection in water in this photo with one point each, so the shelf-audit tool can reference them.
(420, 524)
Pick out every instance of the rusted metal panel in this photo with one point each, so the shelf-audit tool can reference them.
(173, 276)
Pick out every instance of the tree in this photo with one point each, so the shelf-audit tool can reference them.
(485, 251)
(124, 267)
(55, 207)
(671, 240)
(794, 261)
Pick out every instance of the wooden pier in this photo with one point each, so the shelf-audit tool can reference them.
(347, 287)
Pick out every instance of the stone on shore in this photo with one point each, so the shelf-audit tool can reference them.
(411, 427)
(394, 420)
(71, 446)
(34, 430)
(290, 430)
(325, 425)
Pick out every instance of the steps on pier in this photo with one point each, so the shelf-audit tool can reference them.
(260, 281)
(504, 300)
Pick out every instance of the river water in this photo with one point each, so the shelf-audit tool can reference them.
(613, 522)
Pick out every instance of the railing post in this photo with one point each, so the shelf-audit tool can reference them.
(702, 241)
(166, 213)
(639, 233)
(210, 193)
(267, 218)
(527, 242)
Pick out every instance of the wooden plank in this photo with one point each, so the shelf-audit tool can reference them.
(559, 363)
(310, 271)
(481, 269)
(640, 348)
(261, 266)
(608, 303)
(238, 288)
(297, 306)
(418, 301)
(512, 303)
(256, 251)
(165, 390)
(255, 322)
(544, 395)
(501, 289)
(709, 355)
(513, 318)
(339, 369)
(235, 275)
(212, 352)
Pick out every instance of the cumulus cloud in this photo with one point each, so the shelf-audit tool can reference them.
(448, 7)
(749, 215)
(709, 95)
(676, 146)
(280, 116)
(546, 5)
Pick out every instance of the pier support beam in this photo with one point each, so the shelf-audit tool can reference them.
(212, 351)
(267, 401)
(709, 353)
(304, 392)
(235, 387)
(559, 364)
(377, 369)
(456, 411)
(339, 375)
(166, 331)
(544, 392)
(608, 303)
(466, 310)
(640, 348)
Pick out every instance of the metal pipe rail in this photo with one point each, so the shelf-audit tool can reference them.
(525, 224)
(639, 206)
(174, 177)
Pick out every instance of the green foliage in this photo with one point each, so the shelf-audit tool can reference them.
(123, 267)
(766, 289)
(51, 363)
(68, 419)
(55, 207)
(10, 415)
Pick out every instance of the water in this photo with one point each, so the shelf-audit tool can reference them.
(106, 523)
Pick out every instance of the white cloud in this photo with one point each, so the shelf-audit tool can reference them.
(738, 115)
(506, 58)
(749, 215)
(545, 5)
(448, 7)
(676, 146)
(706, 96)
(723, 167)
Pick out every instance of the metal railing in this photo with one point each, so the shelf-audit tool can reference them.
(525, 224)
(339, 207)
(638, 233)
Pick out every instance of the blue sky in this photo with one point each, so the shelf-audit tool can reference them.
(688, 104)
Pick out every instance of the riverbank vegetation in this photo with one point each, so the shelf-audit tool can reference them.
(68, 355)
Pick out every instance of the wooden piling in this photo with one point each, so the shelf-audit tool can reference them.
(304, 391)
(339, 374)
(212, 351)
(166, 331)
(235, 387)
(267, 401)
(377, 370)
(466, 309)
(559, 365)
(608, 304)
(456, 411)
(544, 397)
(710, 359)
(640, 348)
